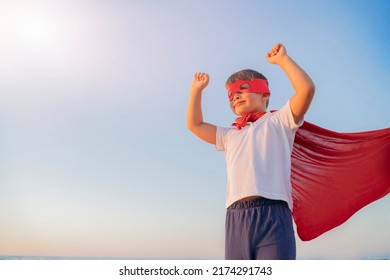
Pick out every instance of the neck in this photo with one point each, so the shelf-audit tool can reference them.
(250, 117)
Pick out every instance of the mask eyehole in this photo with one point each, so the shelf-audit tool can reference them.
(244, 86)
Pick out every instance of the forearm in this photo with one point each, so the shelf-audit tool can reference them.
(195, 123)
(194, 109)
(204, 131)
(299, 79)
(302, 84)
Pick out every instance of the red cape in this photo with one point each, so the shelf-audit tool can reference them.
(333, 175)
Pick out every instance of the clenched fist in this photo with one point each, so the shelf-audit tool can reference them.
(276, 53)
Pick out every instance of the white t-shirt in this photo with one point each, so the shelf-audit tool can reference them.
(258, 157)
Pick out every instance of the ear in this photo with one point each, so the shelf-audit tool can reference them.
(265, 100)
(265, 97)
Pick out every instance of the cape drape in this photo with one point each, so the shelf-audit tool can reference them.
(333, 175)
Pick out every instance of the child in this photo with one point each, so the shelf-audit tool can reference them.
(258, 157)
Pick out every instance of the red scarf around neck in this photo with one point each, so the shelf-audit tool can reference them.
(251, 117)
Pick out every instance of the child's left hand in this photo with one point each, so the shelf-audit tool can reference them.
(276, 53)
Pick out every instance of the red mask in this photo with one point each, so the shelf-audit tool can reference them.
(254, 86)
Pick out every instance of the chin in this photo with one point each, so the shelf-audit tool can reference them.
(242, 113)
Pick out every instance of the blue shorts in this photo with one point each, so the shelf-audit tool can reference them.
(260, 229)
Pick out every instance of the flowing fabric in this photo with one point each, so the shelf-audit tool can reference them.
(333, 175)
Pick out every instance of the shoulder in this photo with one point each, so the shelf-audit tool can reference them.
(221, 137)
(285, 116)
(223, 130)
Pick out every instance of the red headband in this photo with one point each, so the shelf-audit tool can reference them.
(254, 86)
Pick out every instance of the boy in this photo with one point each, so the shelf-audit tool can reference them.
(258, 157)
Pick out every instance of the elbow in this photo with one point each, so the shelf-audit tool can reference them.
(191, 127)
(194, 128)
(311, 89)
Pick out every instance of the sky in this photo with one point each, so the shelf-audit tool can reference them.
(95, 157)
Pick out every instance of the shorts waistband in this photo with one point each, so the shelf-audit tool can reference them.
(261, 201)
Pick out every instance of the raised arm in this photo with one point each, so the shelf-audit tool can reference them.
(301, 82)
(203, 130)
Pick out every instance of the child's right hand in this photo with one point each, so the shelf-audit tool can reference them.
(200, 82)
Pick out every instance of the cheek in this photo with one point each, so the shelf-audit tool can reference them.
(231, 107)
(253, 100)
(233, 110)
(258, 99)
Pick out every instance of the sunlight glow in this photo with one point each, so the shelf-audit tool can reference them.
(30, 30)
(38, 32)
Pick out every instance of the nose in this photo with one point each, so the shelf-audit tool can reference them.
(237, 95)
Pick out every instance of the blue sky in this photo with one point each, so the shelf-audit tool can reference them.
(95, 156)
